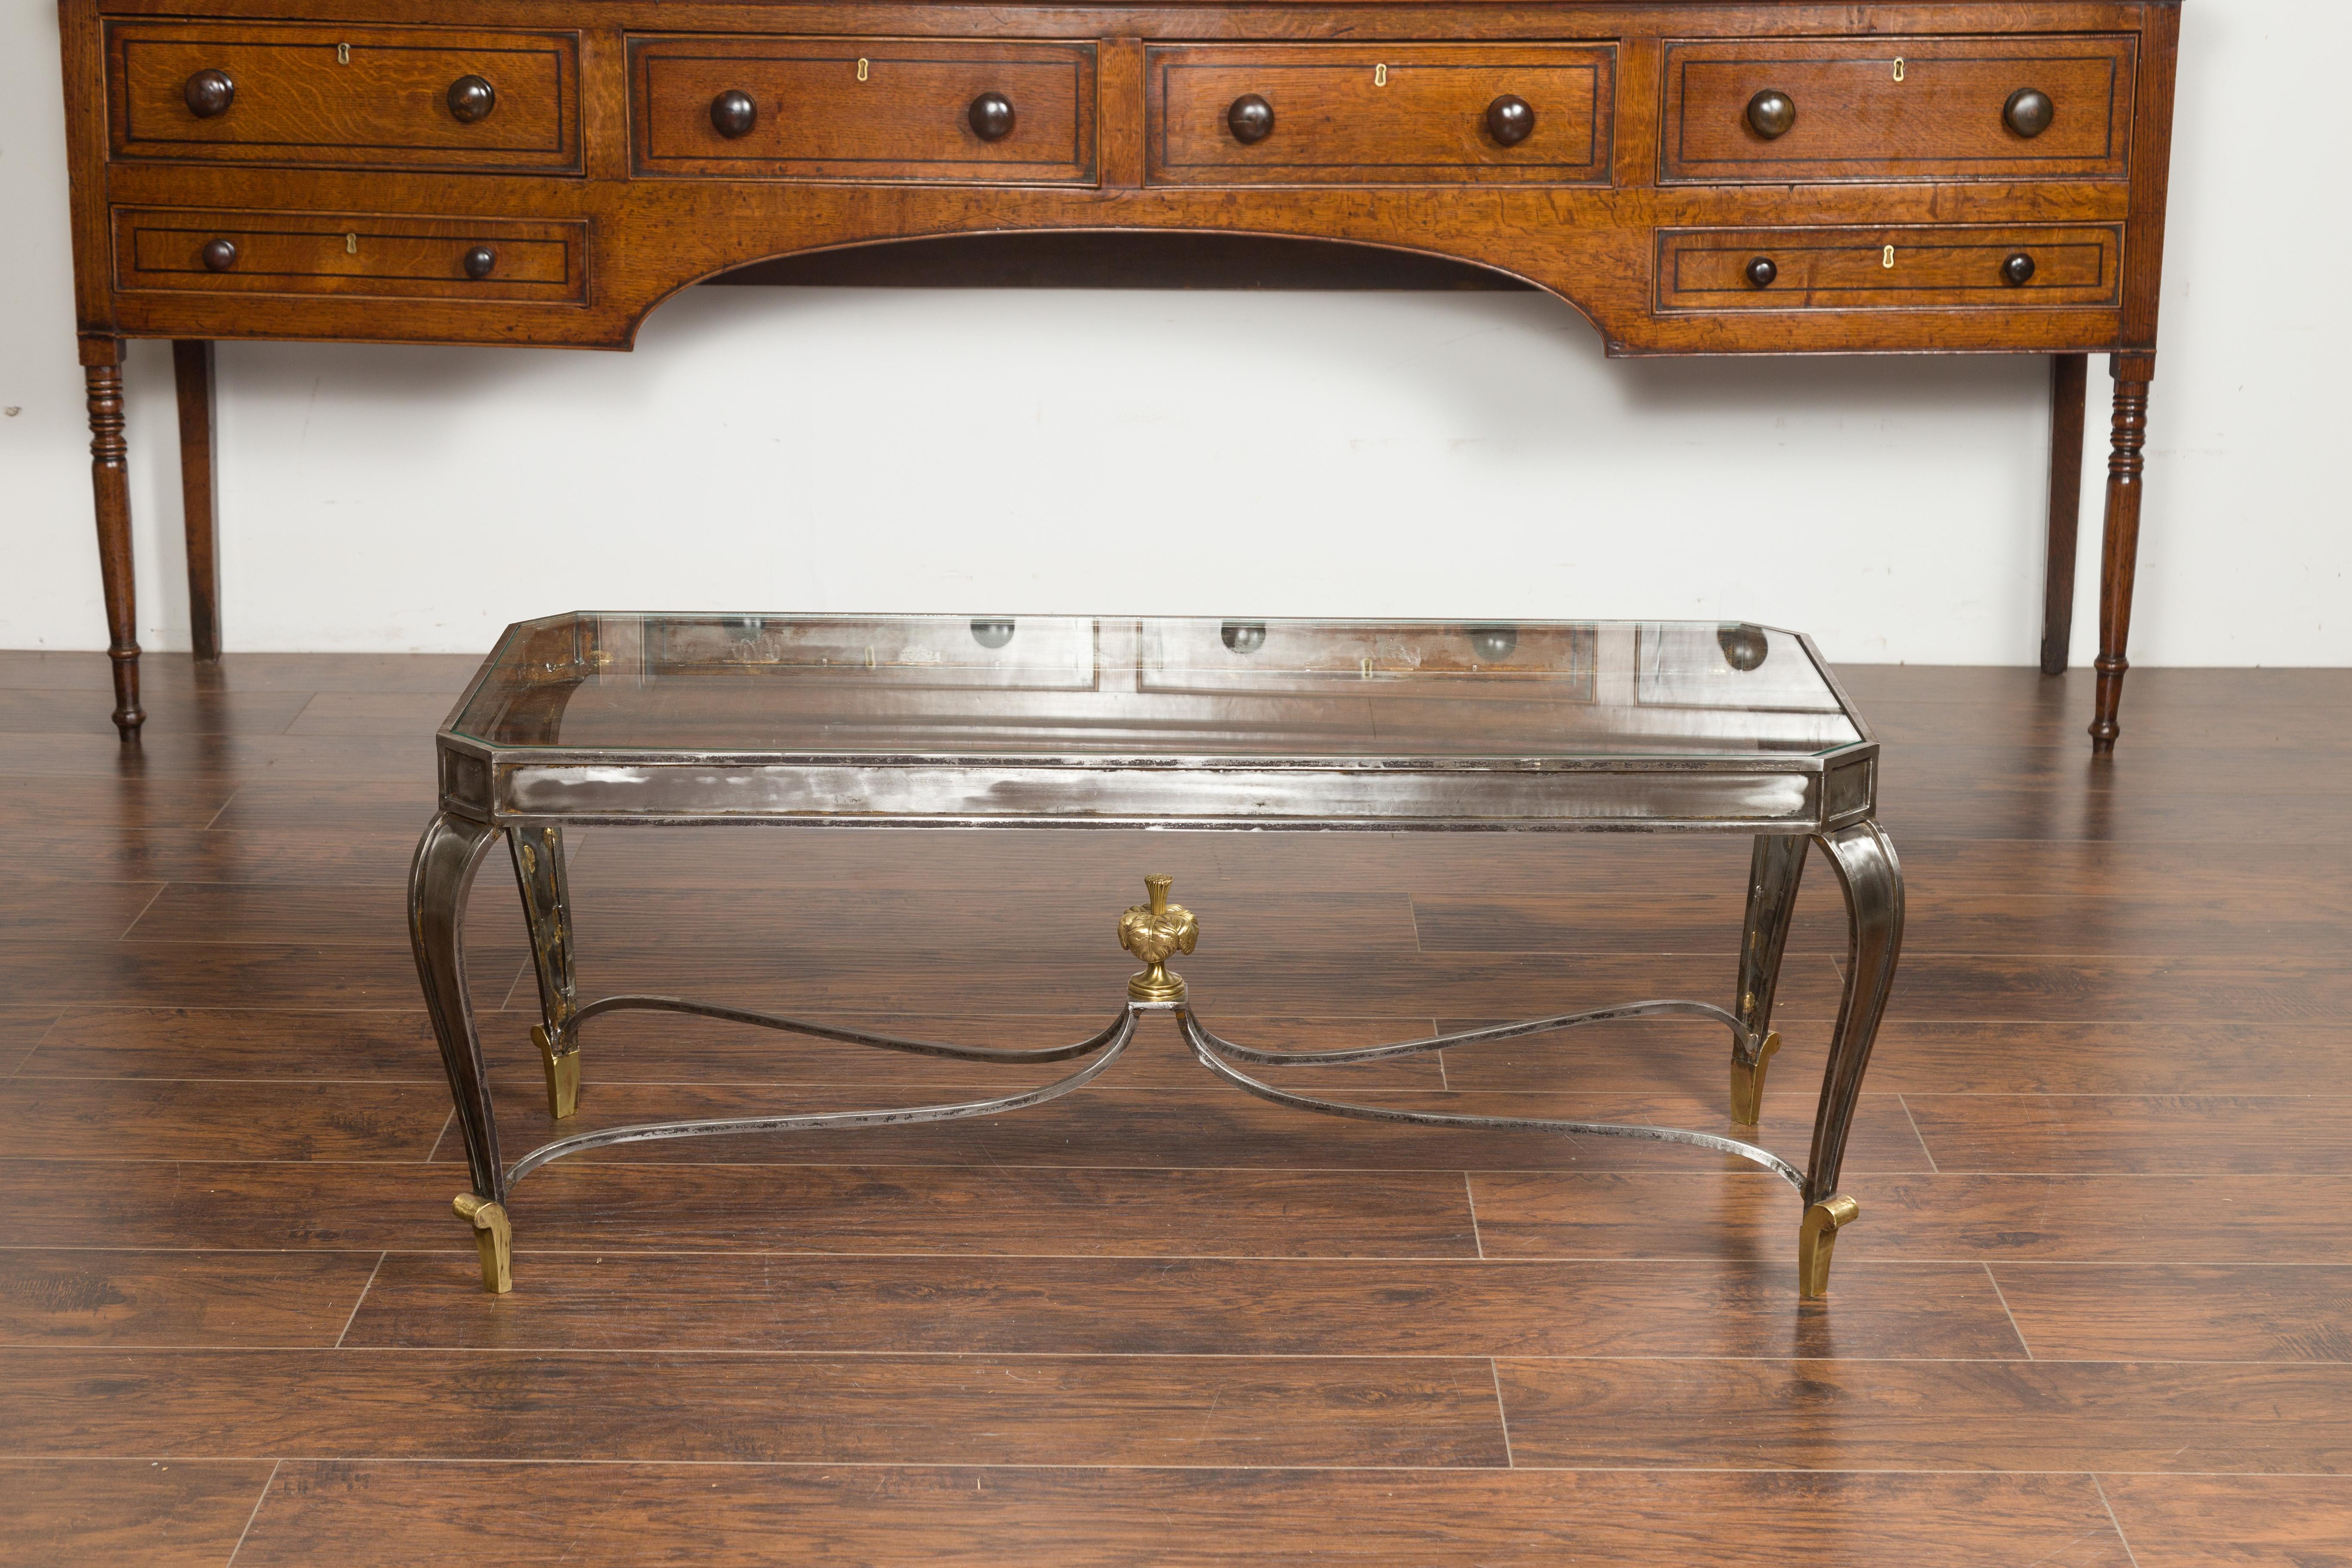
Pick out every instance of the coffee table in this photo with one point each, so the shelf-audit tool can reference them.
(1033, 722)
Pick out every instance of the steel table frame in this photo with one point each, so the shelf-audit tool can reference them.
(1785, 800)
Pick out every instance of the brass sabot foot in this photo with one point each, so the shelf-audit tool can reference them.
(1747, 1082)
(562, 1075)
(1154, 932)
(1817, 1239)
(494, 1237)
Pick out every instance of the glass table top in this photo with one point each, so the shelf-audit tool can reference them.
(1070, 686)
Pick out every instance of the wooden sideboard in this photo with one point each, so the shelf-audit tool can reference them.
(1693, 178)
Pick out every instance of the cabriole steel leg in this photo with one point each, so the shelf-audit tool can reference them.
(1873, 879)
(438, 880)
(1772, 877)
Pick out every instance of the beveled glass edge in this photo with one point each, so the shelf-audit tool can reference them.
(449, 730)
(478, 777)
(1837, 688)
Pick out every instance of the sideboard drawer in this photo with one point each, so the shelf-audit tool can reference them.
(1898, 108)
(1888, 268)
(864, 109)
(411, 98)
(182, 249)
(1379, 114)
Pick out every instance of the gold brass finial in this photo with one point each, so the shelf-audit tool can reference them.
(1153, 933)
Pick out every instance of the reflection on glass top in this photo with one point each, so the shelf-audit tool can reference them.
(1069, 686)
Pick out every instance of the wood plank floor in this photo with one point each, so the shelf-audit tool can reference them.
(2097, 1309)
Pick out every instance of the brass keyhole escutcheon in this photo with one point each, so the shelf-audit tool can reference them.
(343, 54)
(863, 69)
(1886, 257)
(1379, 76)
(351, 245)
(1898, 67)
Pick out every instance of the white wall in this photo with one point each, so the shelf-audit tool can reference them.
(1430, 454)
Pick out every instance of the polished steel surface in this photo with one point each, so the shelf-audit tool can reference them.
(1774, 870)
(1111, 1042)
(546, 911)
(1864, 859)
(1063, 721)
(439, 878)
(1218, 1056)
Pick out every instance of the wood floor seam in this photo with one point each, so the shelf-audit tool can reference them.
(2130, 1555)
(634, 1354)
(1994, 1280)
(1111, 1467)
(2098, 1301)
(360, 1302)
(1502, 1416)
(1904, 1100)
(258, 1501)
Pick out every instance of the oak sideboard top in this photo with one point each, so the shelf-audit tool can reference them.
(1693, 178)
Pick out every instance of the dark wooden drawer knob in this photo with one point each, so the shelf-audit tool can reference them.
(733, 114)
(1251, 119)
(1761, 272)
(1770, 113)
(471, 100)
(209, 93)
(1510, 119)
(480, 262)
(2017, 271)
(992, 117)
(2028, 111)
(219, 255)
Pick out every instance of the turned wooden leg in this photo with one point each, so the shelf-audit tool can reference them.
(192, 373)
(110, 479)
(2069, 374)
(2120, 553)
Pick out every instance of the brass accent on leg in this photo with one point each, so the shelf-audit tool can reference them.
(1154, 932)
(1817, 1239)
(563, 1074)
(546, 908)
(495, 1237)
(1747, 1082)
